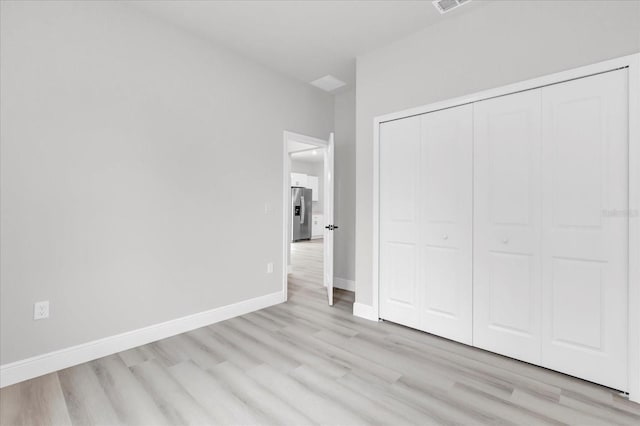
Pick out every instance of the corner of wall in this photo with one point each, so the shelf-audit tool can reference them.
(364, 311)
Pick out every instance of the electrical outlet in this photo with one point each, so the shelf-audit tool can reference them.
(41, 310)
(270, 268)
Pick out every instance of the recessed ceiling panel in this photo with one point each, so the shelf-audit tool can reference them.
(328, 83)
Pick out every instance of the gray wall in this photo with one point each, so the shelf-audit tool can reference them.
(500, 43)
(345, 189)
(313, 169)
(127, 195)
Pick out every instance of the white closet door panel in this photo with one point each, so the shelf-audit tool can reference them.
(507, 264)
(446, 215)
(399, 220)
(585, 245)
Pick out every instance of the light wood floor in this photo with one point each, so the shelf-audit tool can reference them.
(305, 363)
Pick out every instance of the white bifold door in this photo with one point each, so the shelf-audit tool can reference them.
(550, 227)
(507, 225)
(425, 222)
(585, 228)
(400, 220)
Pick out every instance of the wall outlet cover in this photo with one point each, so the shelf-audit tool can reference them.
(41, 310)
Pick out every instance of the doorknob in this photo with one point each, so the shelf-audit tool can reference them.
(445, 237)
(331, 227)
(505, 241)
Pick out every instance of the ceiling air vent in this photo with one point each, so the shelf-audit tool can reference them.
(444, 6)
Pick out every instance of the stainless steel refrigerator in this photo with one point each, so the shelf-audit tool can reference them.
(300, 214)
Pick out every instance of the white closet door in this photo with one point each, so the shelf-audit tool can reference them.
(507, 215)
(585, 257)
(446, 202)
(399, 220)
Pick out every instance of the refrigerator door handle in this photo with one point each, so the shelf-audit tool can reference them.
(302, 209)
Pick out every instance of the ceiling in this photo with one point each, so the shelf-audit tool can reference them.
(311, 156)
(295, 146)
(308, 153)
(303, 39)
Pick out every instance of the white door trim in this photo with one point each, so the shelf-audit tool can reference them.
(286, 196)
(632, 62)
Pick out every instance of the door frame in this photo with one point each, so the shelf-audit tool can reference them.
(632, 62)
(289, 136)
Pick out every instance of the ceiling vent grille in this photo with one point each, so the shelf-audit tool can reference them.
(445, 6)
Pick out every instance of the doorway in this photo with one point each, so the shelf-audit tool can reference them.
(308, 212)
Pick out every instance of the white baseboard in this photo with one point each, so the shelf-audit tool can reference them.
(29, 368)
(364, 311)
(344, 284)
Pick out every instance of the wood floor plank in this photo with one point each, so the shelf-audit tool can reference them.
(128, 397)
(39, 401)
(86, 400)
(260, 397)
(505, 409)
(606, 412)
(289, 348)
(213, 396)
(380, 392)
(136, 356)
(175, 402)
(446, 359)
(198, 353)
(430, 400)
(322, 410)
(266, 353)
(348, 398)
(553, 409)
(168, 351)
(226, 349)
(348, 359)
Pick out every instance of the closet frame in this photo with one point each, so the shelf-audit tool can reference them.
(632, 63)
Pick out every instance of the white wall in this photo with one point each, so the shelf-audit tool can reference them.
(344, 264)
(314, 169)
(127, 196)
(500, 43)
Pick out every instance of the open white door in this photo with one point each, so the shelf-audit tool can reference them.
(328, 214)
